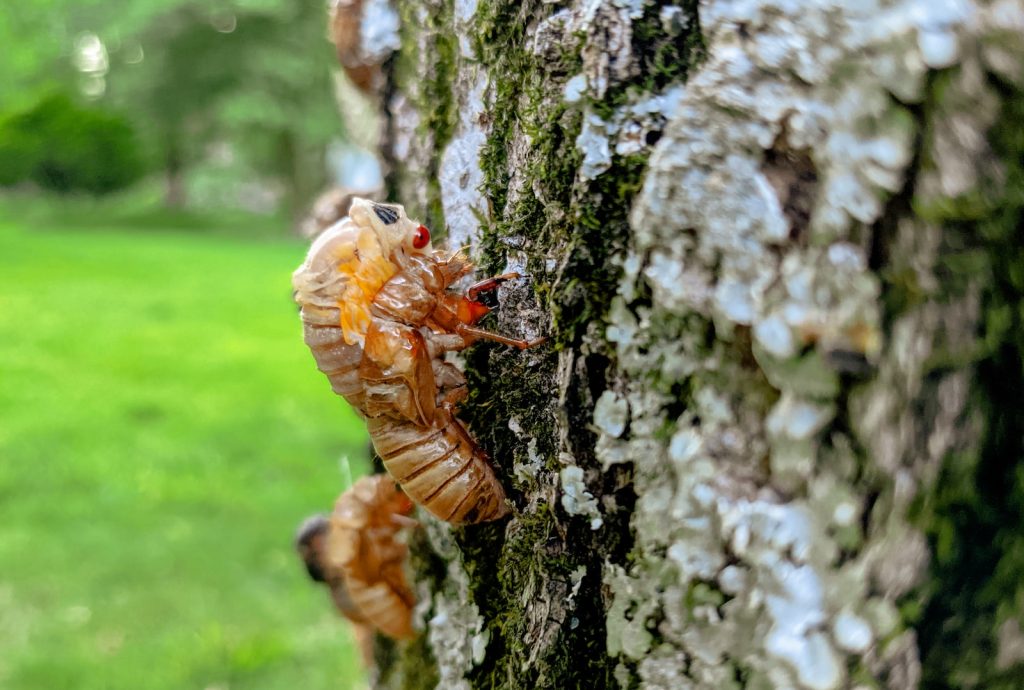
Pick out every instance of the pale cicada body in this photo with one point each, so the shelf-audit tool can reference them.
(378, 316)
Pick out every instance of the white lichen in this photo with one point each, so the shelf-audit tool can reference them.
(593, 144)
(575, 88)
(753, 215)
(456, 631)
(576, 499)
(611, 413)
(576, 581)
(852, 632)
(378, 31)
(460, 175)
(525, 471)
(627, 132)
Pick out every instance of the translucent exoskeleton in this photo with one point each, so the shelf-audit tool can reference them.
(357, 552)
(379, 314)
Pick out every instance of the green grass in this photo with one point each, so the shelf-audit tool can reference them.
(163, 430)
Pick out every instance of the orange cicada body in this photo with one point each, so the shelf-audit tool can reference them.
(379, 314)
(358, 554)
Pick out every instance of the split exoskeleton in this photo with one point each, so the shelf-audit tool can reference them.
(357, 552)
(379, 314)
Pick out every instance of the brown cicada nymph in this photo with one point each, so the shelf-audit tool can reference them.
(379, 313)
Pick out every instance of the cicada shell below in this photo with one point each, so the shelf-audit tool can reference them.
(357, 552)
(379, 313)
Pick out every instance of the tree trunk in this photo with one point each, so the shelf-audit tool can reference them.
(776, 439)
(174, 176)
(303, 167)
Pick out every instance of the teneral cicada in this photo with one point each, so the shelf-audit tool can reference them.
(379, 314)
(357, 553)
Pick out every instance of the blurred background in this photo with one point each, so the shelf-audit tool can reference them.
(163, 429)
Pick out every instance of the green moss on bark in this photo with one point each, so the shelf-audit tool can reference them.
(587, 223)
(554, 214)
(405, 666)
(551, 215)
(664, 54)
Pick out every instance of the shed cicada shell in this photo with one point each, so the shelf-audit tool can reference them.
(357, 552)
(379, 314)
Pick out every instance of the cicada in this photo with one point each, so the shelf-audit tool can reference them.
(379, 313)
(357, 553)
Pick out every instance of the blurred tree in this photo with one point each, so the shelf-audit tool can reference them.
(64, 148)
(251, 77)
(255, 80)
(34, 37)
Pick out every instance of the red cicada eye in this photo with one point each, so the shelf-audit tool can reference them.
(421, 238)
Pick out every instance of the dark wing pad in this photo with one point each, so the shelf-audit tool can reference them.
(386, 214)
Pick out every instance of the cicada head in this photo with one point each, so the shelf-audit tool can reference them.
(309, 543)
(399, 236)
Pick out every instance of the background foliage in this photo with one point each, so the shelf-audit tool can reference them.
(65, 148)
(163, 429)
(244, 86)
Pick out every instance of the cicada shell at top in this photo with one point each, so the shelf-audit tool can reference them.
(379, 314)
(361, 53)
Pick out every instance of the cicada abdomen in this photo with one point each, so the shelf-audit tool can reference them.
(441, 468)
(338, 360)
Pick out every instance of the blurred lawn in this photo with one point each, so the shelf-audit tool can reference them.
(163, 430)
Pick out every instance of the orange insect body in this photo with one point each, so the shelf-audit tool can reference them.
(311, 543)
(378, 316)
(358, 554)
(362, 544)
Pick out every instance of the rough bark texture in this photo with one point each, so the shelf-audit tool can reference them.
(776, 439)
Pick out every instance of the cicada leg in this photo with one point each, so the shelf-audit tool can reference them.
(465, 335)
(451, 384)
(439, 343)
(454, 397)
(480, 298)
(489, 284)
(404, 520)
(473, 333)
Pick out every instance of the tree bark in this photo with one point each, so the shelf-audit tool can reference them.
(776, 438)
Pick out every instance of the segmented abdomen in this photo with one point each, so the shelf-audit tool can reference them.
(383, 606)
(440, 468)
(389, 379)
(338, 360)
